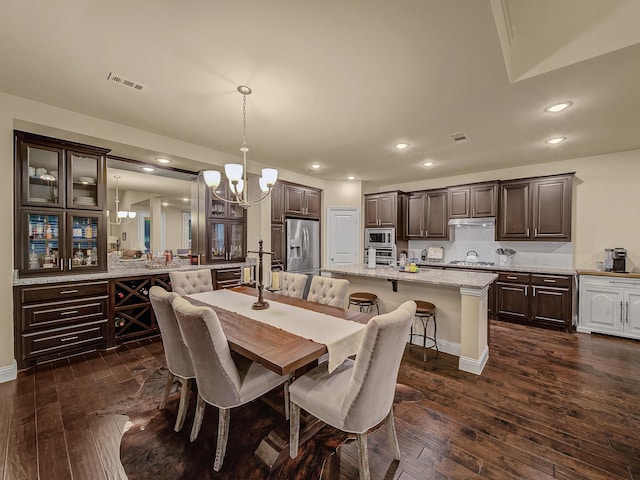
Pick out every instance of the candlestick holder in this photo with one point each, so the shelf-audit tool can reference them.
(260, 304)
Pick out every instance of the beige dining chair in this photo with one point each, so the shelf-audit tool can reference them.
(191, 281)
(292, 284)
(223, 381)
(175, 351)
(328, 291)
(358, 395)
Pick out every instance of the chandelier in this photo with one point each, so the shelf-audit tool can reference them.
(237, 173)
(122, 216)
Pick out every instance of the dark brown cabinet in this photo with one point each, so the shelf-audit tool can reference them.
(226, 277)
(60, 227)
(277, 243)
(384, 209)
(473, 201)
(226, 227)
(536, 209)
(302, 201)
(277, 203)
(512, 296)
(427, 215)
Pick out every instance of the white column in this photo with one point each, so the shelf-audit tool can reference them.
(474, 351)
(156, 224)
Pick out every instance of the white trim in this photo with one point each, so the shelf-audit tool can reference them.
(444, 346)
(581, 329)
(473, 365)
(473, 292)
(8, 373)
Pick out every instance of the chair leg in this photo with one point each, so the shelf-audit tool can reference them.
(197, 419)
(294, 430)
(425, 324)
(286, 399)
(393, 438)
(185, 393)
(363, 457)
(223, 435)
(167, 389)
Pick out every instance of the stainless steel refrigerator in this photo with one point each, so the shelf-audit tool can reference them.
(303, 246)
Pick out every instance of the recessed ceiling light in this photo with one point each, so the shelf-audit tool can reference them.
(165, 204)
(428, 164)
(315, 166)
(148, 169)
(185, 199)
(556, 140)
(558, 107)
(351, 177)
(401, 146)
(163, 160)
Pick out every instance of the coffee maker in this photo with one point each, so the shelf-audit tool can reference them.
(619, 260)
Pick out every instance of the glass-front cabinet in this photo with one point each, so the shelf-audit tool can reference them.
(222, 209)
(59, 206)
(226, 241)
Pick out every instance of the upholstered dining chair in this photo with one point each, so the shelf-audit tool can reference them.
(293, 284)
(358, 395)
(175, 351)
(328, 291)
(191, 281)
(223, 381)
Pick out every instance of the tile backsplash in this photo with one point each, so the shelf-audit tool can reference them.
(482, 240)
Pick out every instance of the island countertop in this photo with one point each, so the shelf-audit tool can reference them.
(446, 278)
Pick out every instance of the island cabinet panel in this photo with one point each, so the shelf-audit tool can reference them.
(60, 320)
(536, 209)
(427, 215)
(473, 201)
(384, 210)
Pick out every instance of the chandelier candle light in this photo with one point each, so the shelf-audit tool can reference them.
(237, 173)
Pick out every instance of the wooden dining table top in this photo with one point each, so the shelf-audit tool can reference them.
(276, 349)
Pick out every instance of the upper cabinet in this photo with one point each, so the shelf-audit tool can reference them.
(226, 226)
(220, 208)
(473, 201)
(384, 210)
(536, 209)
(426, 215)
(277, 203)
(60, 226)
(302, 201)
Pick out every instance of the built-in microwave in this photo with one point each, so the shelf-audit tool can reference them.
(379, 237)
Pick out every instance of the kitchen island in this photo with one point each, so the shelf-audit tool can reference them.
(460, 297)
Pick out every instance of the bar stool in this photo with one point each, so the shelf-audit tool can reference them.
(425, 311)
(364, 301)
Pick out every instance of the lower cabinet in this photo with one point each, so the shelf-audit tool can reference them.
(610, 305)
(60, 320)
(226, 277)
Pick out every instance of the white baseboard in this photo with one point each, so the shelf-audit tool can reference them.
(8, 373)
(473, 365)
(444, 346)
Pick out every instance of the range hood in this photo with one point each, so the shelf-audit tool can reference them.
(473, 222)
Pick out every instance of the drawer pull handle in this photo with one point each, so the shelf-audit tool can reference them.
(549, 280)
(65, 292)
(512, 278)
(70, 312)
(68, 339)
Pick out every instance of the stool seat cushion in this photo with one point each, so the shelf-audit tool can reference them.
(363, 297)
(426, 308)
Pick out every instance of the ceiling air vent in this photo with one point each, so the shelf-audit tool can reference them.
(114, 77)
(460, 137)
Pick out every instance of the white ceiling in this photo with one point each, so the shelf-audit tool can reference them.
(338, 82)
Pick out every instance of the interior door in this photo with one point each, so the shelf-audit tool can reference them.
(343, 236)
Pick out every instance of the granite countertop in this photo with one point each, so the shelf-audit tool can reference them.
(447, 278)
(507, 268)
(116, 272)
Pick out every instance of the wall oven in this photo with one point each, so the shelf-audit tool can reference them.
(379, 237)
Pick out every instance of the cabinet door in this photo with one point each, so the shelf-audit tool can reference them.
(601, 309)
(85, 177)
(437, 225)
(484, 201)
(277, 204)
(388, 210)
(552, 209)
(512, 301)
(40, 169)
(551, 306)
(415, 216)
(86, 242)
(459, 202)
(515, 211)
(294, 202)
(236, 246)
(217, 241)
(277, 242)
(371, 211)
(41, 243)
(632, 315)
(313, 203)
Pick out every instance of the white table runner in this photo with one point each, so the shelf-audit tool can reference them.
(342, 337)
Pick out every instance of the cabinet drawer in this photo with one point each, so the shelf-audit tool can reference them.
(551, 280)
(58, 314)
(62, 341)
(58, 292)
(226, 274)
(513, 277)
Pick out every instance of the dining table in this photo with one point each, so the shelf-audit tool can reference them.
(280, 350)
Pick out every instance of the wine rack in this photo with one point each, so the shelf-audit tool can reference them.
(133, 315)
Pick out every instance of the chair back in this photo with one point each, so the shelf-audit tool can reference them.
(216, 373)
(175, 350)
(369, 395)
(328, 291)
(293, 284)
(194, 281)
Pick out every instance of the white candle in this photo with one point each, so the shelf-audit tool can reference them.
(275, 281)
(247, 275)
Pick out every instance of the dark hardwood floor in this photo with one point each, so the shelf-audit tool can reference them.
(548, 405)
